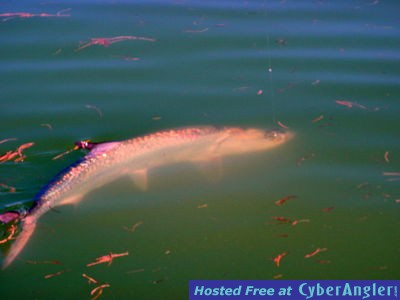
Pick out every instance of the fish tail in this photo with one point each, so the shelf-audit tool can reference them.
(9, 216)
(27, 227)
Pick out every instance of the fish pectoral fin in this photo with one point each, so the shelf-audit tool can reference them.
(140, 178)
(211, 168)
(74, 200)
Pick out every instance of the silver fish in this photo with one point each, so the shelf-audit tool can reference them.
(108, 161)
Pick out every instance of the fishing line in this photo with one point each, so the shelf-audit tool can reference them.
(270, 82)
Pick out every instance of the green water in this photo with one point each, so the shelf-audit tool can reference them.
(208, 65)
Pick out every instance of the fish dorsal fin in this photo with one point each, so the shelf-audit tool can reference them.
(101, 148)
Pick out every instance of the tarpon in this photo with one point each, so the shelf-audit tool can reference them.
(108, 161)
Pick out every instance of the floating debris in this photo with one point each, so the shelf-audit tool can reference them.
(48, 125)
(10, 155)
(106, 259)
(391, 173)
(105, 42)
(95, 108)
(157, 281)
(11, 15)
(315, 252)
(392, 176)
(11, 232)
(283, 235)
(323, 262)
(10, 188)
(54, 274)
(196, 30)
(281, 42)
(327, 209)
(284, 199)
(128, 58)
(133, 227)
(317, 119)
(282, 125)
(241, 89)
(350, 104)
(305, 157)
(90, 279)
(7, 140)
(386, 156)
(58, 51)
(44, 262)
(316, 82)
(281, 220)
(295, 222)
(277, 259)
(98, 291)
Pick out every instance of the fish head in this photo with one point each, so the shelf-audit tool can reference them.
(239, 141)
(274, 138)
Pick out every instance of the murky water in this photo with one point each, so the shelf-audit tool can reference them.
(328, 70)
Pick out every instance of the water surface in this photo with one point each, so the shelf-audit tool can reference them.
(240, 63)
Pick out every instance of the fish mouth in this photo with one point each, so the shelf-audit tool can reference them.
(278, 135)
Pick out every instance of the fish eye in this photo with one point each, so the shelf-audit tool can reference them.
(271, 134)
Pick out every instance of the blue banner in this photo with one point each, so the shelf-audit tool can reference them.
(293, 289)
